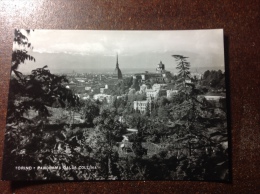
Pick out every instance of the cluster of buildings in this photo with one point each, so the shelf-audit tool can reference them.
(94, 86)
(152, 84)
(162, 85)
(157, 90)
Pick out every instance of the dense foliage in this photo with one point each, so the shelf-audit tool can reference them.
(214, 79)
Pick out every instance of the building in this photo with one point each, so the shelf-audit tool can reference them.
(117, 72)
(102, 97)
(81, 79)
(196, 76)
(153, 94)
(121, 97)
(78, 89)
(160, 76)
(171, 93)
(188, 81)
(214, 100)
(160, 68)
(142, 105)
(83, 96)
(103, 90)
(213, 97)
(88, 88)
(159, 86)
(143, 88)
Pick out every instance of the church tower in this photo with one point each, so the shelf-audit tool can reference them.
(160, 68)
(117, 72)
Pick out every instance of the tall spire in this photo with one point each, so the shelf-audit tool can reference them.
(117, 65)
(118, 72)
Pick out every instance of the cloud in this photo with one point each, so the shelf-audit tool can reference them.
(124, 42)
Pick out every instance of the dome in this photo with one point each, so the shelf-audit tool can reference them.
(161, 65)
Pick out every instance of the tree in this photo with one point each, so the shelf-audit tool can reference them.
(148, 109)
(90, 111)
(107, 132)
(136, 84)
(214, 79)
(163, 113)
(36, 92)
(183, 66)
(20, 55)
(162, 101)
(138, 148)
(193, 121)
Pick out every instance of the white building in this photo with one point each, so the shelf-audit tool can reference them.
(198, 76)
(188, 81)
(213, 98)
(153, 94)
(143, 88)
(103, 90)
(88, 88)
(102, 97)
(141, 105)
(171, 93)
(159, 86)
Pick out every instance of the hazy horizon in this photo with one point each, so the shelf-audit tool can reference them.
(87, 49)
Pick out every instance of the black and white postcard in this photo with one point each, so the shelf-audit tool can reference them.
(117, 105)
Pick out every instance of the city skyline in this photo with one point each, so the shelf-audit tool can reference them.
(71, 50)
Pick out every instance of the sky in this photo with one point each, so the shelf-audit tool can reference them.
(90, 49)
